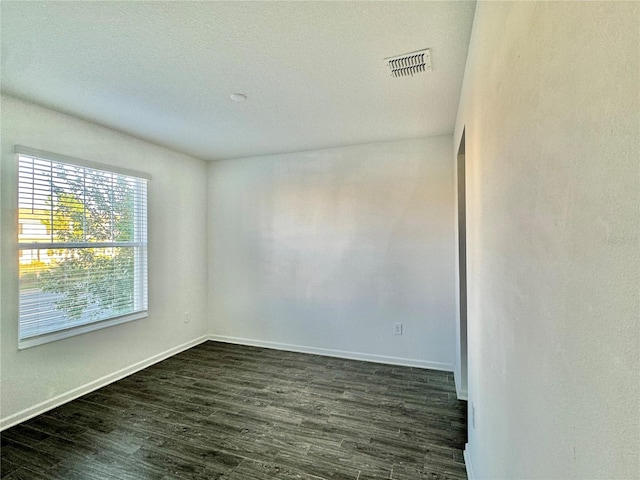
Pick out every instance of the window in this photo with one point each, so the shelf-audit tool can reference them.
(83, 246)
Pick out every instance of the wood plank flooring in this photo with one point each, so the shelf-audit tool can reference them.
(222, 411)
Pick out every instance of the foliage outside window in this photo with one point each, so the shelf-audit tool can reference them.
(83, 247)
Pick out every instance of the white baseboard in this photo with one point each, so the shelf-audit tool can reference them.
(461, 393)
(467, 463)
(63, 398)
(328, 352)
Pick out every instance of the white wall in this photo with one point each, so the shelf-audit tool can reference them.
(323, 251)
(550, 109)
(37, 378)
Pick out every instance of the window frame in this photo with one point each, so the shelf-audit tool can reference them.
(80, 329)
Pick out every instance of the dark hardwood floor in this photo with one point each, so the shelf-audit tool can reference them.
(221, 411)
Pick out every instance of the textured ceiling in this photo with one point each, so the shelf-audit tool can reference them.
(313, 72)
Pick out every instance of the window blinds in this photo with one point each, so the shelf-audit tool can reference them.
(83, 245)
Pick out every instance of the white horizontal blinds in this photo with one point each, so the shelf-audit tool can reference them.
(141, 298)
(83, 245)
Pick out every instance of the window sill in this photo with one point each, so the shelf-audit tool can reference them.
(72, 332)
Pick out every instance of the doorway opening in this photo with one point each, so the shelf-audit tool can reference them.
(462, 267)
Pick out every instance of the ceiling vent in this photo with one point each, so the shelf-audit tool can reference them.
(409, 64)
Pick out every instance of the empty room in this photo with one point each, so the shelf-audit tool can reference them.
(320, 240)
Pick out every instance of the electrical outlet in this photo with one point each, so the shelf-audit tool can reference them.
(187, 317)
(397, 329)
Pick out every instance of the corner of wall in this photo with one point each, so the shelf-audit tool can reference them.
(461, 392)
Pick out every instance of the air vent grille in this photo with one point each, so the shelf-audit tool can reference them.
(409, 64)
